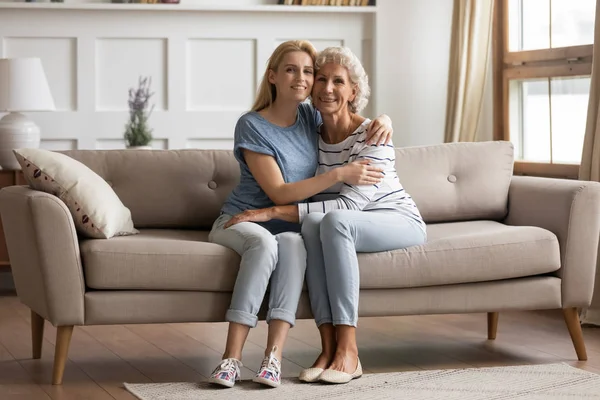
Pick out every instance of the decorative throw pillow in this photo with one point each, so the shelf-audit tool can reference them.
(96, 209)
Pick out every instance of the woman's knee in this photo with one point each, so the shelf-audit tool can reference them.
(291, 244)
(334, 222)
(264, 243)
(311, 225)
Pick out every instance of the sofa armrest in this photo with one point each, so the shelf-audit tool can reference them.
(571, 210)
(44, 254)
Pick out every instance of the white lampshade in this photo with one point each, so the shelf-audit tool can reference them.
(23, 85)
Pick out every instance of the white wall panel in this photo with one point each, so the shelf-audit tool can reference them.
(119, 64)
(59, 60)
(227, 82)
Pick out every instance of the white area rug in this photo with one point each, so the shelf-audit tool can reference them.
(547, 382)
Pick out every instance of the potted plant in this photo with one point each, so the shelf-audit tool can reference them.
(138, 133)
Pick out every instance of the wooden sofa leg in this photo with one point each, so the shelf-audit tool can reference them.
(572, 319)
(492, 322)
(63, 339)
(37, 334)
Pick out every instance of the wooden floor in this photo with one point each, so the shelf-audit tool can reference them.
(101, 358)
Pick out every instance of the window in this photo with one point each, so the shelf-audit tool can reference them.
(542, 68)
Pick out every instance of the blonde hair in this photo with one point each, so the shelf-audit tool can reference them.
(267, 93)
(346, 58)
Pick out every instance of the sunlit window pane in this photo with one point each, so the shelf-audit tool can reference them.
(530, 119)
(572, 22)
(534, 107)
(514, 25)
(569, 97)
(528, 24)
(535, 24)
(542, 24)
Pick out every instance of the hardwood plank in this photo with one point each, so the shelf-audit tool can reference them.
(15, 335)
(5, 355)
(476, 349)
(530, 339)
(383, 353)
(186, 349)
(15, 383)
(99, 363)
(418, 346)
(290, 367)
(214, 335)
(101, 358)
(144, 356)
(550, 336)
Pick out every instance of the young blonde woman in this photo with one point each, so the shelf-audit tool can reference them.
(276, 145)
(349, 218)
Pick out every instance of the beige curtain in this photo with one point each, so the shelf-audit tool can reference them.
(469, 59)
(590, 160)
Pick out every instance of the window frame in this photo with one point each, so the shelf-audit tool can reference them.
(555, 62)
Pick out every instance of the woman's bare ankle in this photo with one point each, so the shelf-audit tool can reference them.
(228, 354)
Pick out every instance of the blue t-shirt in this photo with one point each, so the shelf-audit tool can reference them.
(295, 149)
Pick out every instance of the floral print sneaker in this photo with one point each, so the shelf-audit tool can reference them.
(226, 373)
(270, 370)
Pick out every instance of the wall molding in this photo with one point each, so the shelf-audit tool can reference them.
(205, 63)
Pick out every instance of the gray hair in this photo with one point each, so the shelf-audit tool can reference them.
(346, 58)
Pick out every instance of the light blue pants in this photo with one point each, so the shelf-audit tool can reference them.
(332, 241)
(280, 259)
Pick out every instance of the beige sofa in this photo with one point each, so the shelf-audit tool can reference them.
(495, 243)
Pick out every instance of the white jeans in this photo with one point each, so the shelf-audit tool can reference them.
(280, 259)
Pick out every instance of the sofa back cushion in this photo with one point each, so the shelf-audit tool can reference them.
(166, 188)
(186, 188)
(458, 181)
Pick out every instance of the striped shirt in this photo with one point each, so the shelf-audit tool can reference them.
(387, 196)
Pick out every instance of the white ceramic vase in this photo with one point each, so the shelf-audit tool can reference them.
(16, 132)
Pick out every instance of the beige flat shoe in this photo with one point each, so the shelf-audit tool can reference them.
(310, 375)
(333, 376)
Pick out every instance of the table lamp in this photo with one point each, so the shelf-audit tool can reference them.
(23, 87)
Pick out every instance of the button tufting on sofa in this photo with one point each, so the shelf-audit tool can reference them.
(484, 253)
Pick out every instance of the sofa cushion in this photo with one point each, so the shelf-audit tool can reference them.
(186, 188)
(173, 189)
(159, 259)
(96, 209)
(457, 252)
(462, 252)
(458, 181)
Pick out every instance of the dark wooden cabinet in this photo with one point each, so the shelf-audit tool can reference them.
(8, 178)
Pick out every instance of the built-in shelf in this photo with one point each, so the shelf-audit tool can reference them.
(183, 7)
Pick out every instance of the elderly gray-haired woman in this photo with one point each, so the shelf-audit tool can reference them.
(345, 219)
